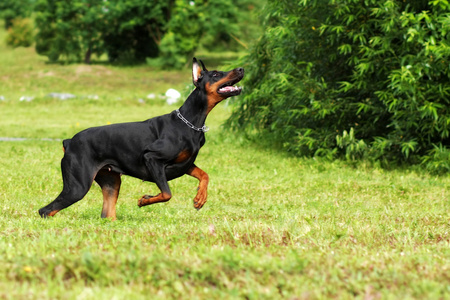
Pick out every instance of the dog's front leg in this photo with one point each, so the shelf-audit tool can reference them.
(156, 169)
(200, 198)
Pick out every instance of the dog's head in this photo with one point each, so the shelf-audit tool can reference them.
(217, 85)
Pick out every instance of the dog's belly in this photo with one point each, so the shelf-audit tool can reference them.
(140, 171)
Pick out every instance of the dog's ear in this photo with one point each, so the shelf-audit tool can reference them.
(196, 72)
(203, 66)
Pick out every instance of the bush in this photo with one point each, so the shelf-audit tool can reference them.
(376, 69)
(210, 24)
(135, 28)
(20, 34)
(125, 30)
(438, 160)
(60, 33)
(14, 9)
(139, 30)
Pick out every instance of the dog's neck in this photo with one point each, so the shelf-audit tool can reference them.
(195, 108)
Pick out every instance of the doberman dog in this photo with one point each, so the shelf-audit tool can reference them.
(156, 150)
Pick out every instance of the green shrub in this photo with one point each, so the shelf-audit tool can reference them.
(378, 69)
(14, 9)
(20, 34)
(58, 24)
(438, 160)
(208, 24)
(166, 33)
(134, 28)
(125, 30)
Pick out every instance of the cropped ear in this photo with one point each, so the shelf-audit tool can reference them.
(196, 72)
(203, 66)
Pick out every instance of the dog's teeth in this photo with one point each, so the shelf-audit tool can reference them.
(229, 89)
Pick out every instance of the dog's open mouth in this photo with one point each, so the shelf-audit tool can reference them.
(229, 88)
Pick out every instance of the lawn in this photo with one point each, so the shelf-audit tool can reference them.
(274, 226)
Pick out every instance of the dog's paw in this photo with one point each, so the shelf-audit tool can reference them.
(200, 199)
(143, 201)
(45, 212)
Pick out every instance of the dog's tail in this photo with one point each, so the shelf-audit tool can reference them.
(66, 144)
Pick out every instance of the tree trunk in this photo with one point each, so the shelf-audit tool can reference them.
(87, 57)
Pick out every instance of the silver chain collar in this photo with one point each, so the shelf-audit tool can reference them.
(203, 129)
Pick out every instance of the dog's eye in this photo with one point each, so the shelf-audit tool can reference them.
(215, 74)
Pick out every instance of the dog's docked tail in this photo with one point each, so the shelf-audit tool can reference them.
(66, 144)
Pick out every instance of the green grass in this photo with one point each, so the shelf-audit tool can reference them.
(274, 227)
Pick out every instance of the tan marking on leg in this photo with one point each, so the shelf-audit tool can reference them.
(110, 184)
(202, 193)
(52, 213)
(147, 200)
(110, 196)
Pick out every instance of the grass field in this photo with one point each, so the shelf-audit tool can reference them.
(275, 227)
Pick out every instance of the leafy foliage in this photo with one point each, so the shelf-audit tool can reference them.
(137, 30)
(123, 29)
(211, 24)
(68, 29)
(20, 34)
(12, 9)
(376, 69)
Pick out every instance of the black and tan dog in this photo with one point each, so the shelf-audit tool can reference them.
(156, 150)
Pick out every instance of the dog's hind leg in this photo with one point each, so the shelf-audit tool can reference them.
(110, 182)
(77, 180)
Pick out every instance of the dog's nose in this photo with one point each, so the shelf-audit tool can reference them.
(240, 70)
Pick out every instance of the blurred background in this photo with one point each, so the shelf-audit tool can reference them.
(162, 33)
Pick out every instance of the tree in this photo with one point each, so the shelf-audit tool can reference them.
(12, 9)
(211, 24)
(20, 34)
(134, 30)
(71, 29)
(349, 78)
(124, 29)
